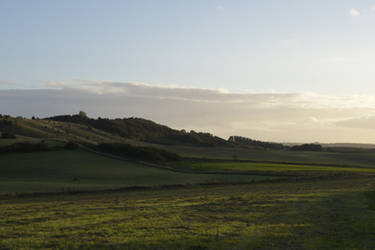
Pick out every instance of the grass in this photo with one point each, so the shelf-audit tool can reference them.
(297, 215)
(7, 142)
(58, 171)
(172, 210)
(363, 158)
(268, 167)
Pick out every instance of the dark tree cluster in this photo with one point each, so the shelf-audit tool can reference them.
(256, 143)
(4, 116)
(307, 147)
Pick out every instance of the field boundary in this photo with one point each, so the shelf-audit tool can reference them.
(193, 159)
(191, 171)
(230, 172)
(7, 196)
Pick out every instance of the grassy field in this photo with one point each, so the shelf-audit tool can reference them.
(332, 214)
(326, 202)
(58, 171)
(365, 158)
(268, 167)
(20, 138)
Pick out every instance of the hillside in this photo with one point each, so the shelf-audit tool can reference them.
(83, 129)
(31, 129)
(143, 130)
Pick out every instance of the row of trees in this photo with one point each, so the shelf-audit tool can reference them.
(273, 145)
(307, 147)
(255, 143)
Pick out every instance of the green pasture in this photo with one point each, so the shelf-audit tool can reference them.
(333, 214)
(60, 171)
(19, 139)
(364, 158)
(274, 167)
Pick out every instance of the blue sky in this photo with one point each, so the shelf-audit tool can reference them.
(324, 47)
(259, 69)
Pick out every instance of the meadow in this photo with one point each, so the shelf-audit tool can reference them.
(269, 167)
(360, 158)
(77, 170)
(334, 214)
(217, 197)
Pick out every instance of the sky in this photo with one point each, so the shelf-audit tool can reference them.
(291, 70)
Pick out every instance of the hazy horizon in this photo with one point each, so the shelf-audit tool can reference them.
(282, 117)
(286, 71)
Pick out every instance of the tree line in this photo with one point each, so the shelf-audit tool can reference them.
(273, 145)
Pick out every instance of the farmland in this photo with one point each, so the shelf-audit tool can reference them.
(60, 171)
(364, 158)
(271, 167)
(331, 214)
(104, 193)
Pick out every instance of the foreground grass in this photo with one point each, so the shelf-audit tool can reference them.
(61, 171)
(300, 215)
(268, 167)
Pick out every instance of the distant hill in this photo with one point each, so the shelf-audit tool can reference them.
(143, 130)
(135, 131)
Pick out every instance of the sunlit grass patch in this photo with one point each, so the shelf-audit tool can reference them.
(296, 215)
(272, 167)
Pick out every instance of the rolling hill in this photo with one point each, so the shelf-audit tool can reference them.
(143, 130)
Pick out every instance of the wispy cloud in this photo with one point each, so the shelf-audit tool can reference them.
(267, 116)
(139, 89)
(354, 12)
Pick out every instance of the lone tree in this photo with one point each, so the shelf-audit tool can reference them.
(82, 114)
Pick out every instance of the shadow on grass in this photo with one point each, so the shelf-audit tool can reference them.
(370, 196)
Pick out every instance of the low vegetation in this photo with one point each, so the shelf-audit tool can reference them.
(73, 182)
(150, 154)
(78, 170)
(24, 147)
(268, 167)
(296, 215)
